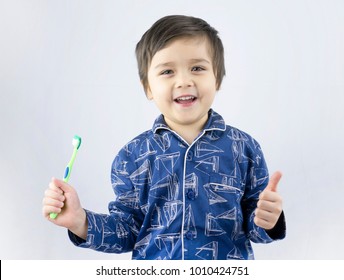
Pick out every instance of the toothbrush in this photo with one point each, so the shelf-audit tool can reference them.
(76, 144)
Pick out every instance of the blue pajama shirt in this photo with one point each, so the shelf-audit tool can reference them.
(179, 201)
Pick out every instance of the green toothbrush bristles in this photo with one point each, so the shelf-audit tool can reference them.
(76, 141)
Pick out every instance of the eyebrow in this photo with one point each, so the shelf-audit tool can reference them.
(194, 60)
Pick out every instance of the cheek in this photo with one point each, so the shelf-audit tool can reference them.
(209, 89)
(160, 90)
(208, 82)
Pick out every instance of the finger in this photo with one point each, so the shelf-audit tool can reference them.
(47, 209)
(265, 219)
(48, 201)
(54, 188)
(272, 196)
(264, 215)
(62, 185)
(274, 180)
(54, 195)
(269, 206)
(263, 223)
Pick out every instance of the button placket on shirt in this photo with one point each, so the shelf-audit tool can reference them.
(190, 155)
(189, 235)
(190, 195)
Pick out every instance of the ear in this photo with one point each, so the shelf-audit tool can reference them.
(217, 83)
(147, 91)
(149, 95)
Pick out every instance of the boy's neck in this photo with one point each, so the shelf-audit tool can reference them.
(189, 136)
(188, 132)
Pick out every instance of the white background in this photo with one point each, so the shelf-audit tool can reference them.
(68, 67)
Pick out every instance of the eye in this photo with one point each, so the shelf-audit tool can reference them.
(166, 72)
(197, 69)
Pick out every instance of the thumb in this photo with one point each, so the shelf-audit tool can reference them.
(62, 185)
(274, 180)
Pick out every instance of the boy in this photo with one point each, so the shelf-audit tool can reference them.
(191, 187)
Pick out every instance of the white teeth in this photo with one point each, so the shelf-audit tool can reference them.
(184, 98)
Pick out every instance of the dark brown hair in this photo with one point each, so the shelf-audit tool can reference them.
(172, 27)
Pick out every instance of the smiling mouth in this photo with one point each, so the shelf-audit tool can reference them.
(185, 99)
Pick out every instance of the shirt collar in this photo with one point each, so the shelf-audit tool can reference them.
(214, 122)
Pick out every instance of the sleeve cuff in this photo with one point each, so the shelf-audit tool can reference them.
(279, 230)
(80, 242)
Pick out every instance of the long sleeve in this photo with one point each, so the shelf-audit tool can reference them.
(117, 231)
(257, 180)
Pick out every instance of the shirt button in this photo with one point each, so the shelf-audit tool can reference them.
(191, 195)
(189, 235)
(189, 155)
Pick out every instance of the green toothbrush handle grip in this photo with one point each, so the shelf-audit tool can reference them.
(53, 215)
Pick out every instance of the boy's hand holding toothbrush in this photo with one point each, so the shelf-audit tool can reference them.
(61, 204)
(61, 198)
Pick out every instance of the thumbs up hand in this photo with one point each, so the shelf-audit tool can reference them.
(269, 206)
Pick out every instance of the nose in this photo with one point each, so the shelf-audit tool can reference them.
(184, 80)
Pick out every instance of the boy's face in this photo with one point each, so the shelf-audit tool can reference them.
(182, 83)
